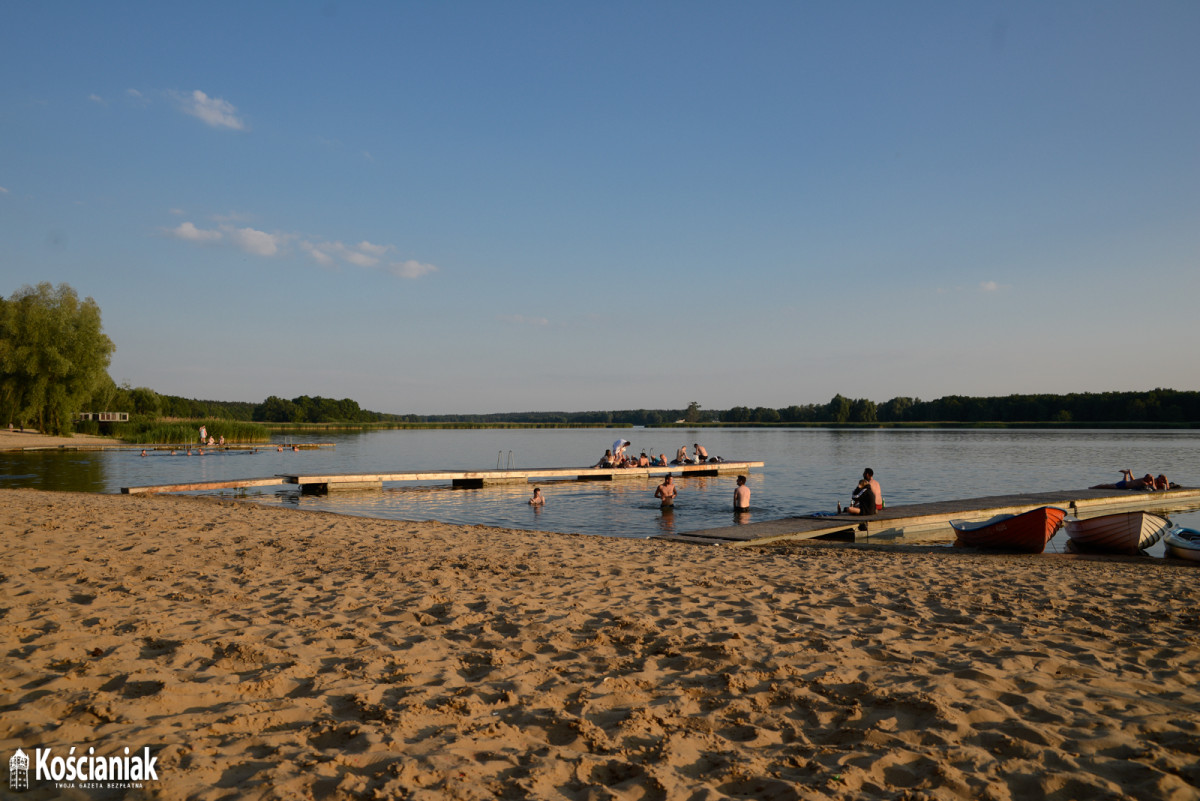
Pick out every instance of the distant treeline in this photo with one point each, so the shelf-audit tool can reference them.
(1157, 407)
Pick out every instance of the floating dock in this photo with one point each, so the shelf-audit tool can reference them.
(318, 483)
(931, 521)
(333, 482)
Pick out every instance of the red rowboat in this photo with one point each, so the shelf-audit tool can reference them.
(1024, 533)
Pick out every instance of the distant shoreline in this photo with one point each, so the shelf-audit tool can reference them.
(326, 427)
(23, 440)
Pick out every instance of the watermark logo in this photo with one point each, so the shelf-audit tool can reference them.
(66, 769)
(18, 771)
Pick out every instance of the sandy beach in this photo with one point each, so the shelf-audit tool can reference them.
(272, 653)
(19, 440)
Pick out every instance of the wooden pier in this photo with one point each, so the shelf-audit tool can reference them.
(201, 486)
(931, 521)
(333, 482)
(322, 483)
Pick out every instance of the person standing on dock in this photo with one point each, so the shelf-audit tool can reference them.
(741, 496)
(203, 434)
(667, 492)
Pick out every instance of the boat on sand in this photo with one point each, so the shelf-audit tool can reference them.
(1183, 543)
(1121, 532)
(1027, 532)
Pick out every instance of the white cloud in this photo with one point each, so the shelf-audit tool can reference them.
(374, 250)
(215, 111)
(259, 243)
(410, 269)
(365, 254)
(319, 256)
(3, 191)
(95, 98)
(990, 286)
(136, 97)
(190, 233)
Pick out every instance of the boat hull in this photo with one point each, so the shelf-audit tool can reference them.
(1183, 543)
(1122, 532)
(1024, 533)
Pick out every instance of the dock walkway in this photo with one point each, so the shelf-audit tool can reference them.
(321, 483)
(931, 521)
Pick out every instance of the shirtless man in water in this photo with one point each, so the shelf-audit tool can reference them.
(741, 496)
(667, 492)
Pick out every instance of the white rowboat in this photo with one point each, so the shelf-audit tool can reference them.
(1122, 532)
(1183, 543)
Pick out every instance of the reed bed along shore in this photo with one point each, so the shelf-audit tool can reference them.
(269, 653)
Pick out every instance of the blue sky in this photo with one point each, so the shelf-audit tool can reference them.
(507, 206)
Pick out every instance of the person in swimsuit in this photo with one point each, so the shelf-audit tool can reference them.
(1128, 482)
(538, 498)
(741, 496)
(666, 492)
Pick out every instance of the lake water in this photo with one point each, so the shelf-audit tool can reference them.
(806, 470)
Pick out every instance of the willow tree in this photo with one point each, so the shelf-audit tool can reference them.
(53, 354)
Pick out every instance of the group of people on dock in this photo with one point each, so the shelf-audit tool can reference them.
(616, 457)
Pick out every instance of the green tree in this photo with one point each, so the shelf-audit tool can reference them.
(838, 410)
(863, 411)
(145, 401)
(277, 410)
(53, 356)
(692, 415)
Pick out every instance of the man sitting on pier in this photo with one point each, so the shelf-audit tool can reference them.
(869, 475)
(864, 500)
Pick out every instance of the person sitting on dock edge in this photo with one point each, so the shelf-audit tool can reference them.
(701, 453)
(864, 500)
(869, 475)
